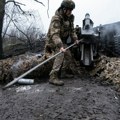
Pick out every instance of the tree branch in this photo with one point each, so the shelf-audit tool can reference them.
(17, 4)
(21, 32)
(48, 9)
(39, 2)
(14, 2)
(13, 36)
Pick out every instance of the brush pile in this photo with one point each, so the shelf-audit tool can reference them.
(13, 67)
(107, 69)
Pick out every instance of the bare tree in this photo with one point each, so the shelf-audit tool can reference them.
(2, 13)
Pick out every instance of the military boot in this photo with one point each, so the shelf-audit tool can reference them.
(54, 79)
(66, 75)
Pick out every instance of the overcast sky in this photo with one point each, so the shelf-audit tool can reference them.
(101, 11)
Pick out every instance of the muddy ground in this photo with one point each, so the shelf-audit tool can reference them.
(78, 99)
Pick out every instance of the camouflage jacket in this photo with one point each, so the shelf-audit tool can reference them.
(60, 29)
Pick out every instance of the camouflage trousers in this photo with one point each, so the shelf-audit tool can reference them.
(63, 62)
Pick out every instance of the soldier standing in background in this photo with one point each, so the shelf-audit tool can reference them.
(61, 27)
(78, 31)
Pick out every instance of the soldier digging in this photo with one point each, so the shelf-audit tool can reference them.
(61, 27)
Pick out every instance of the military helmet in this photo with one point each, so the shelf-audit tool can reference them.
(68, 4)
(87, 14)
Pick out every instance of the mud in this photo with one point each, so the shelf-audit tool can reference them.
(78, 99)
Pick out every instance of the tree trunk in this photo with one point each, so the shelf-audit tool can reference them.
(2, 11)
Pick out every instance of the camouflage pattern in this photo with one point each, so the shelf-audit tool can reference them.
(5, 71)
(59, 30)
(78, 32)
(13, 67)
(68, 4)
(108, 70)
(61, 27)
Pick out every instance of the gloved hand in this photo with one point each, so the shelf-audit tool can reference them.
(77, 42)
(62, 49)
